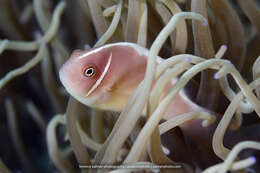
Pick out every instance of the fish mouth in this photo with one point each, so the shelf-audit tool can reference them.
(62, 74)
(69, 85)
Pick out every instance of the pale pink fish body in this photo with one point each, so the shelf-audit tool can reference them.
(105, 77)
(118, 70)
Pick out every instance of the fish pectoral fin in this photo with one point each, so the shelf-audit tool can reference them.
(111, 88)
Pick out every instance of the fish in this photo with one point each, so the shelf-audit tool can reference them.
(105, 77)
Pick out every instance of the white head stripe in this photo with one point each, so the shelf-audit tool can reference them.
(90, 52)
(102, 76)
(139, 49)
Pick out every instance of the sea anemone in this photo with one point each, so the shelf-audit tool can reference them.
(210, 47)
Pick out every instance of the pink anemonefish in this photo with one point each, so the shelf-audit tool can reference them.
(105, 77)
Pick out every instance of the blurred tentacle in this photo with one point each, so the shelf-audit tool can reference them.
(44, 23)
(111, 29)
(235, 166)
(78, 148)
(143, 30)
(158, 90)
(204, 48)
(137, 108)
(208, 119)
(97, 126)
(99, 156)
(166, 16)
(3, 168)
(252, 53)
(218, 136)
(105, 3)
(13, 125)
(98, 19)
(85, 29)
(256, 74)
(10, 23)
(50, 84)
(87, 141)
(3, 46)
(36, 115)
(181, 40)
(237, 121)
(155, 147)
(229, 68)
(237, 148)
(245, 106)
(235, 33)
(55, 154)
(133, 21)
(217, 28)
(25, 68)
(46, 38)
(26, 14)
(252, 12)
(109, 11)
(161, 109)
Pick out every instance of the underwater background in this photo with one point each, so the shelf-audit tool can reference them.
(43, 129)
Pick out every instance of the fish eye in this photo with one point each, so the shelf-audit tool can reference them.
(89, 71)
